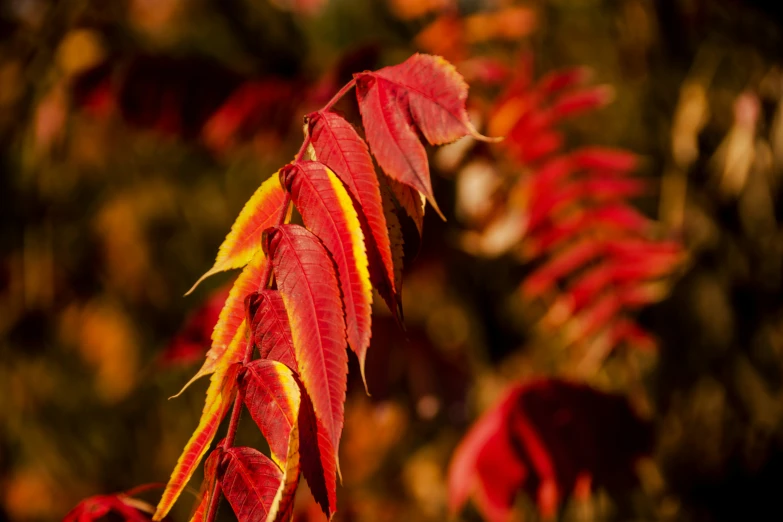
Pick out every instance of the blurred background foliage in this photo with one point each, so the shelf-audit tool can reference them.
(132, 132)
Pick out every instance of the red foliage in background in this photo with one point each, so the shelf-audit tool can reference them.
(546, 438)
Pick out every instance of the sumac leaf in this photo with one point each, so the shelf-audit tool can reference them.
(244, 240)
(252, 484)
(411, 201)
(231, 326)
(273, 338)
(318, 458)
(308, 285)
(205, 497)
(391, 136)
(269, 327)
(121, 505)
(435, 96)
(271, 394)
(425, 93)
(327, 211)
(219, 394)
(337, 145)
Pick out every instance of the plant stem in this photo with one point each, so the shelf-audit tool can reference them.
(342, 92)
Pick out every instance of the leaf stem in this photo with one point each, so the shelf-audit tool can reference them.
(342, 92)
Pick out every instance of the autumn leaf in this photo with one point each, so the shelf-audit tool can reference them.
(219, 394)
(269, 327)
(242, 243)
(328, 213)
(122, 505)
(318, 458)
(273, 338)
(397, 244)
(231, 326)
(424, 93)
(542, 438)
(210, 476)
(252, 484)
(436, 97)
(311, 294)
(410, 200)
(337, 145)
(272, 395)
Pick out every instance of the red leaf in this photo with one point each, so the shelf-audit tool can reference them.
(391, 136)
(219, 394)
(251, 483)
(327, 211)
(543, 438)
(494, 497)
(564, 262)
(269, 327)
(339, 147)
(582, 101)
(272, 394)
(411, 201)
(123, 505)
(317, 453)
(311, 294)
(231, 326)
(272, 397)
(210, 476)
(563, 79)
(435, 95)
(242, 243)
(599, 158)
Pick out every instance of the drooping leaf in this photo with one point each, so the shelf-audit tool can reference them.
(494, 491)
(219, 394)
(411, 201)
(273, 338)
(242, 243)
(269, 327)
(397, 244)
(205, 497)
(327, 211)
(308, 285)
(272, 394)
(338, 146)
(435, 95)
(391, 136)
(231, 326)
(318, 458)
(252, 484)
(272, 397)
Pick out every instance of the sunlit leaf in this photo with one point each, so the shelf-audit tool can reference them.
(308, 285)
(242, 243)
(219, 394)
(338, 146)
(328, 213)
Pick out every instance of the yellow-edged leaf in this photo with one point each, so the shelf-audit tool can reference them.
(232, 316)
(219, 394)
(244, 240)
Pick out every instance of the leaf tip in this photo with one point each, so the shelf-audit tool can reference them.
(200, 279)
